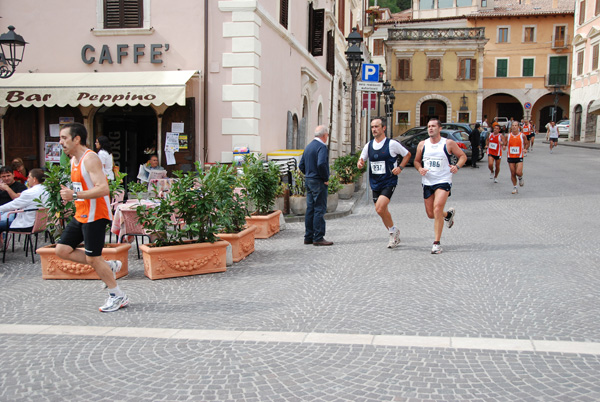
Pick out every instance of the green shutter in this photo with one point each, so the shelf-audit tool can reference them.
(558, 70)
(502, 68)
(527, 67)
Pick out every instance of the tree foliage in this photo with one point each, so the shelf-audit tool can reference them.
(395, 6)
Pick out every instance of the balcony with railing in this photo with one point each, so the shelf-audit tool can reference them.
(436, 33)
(561, 42)
(557, 80)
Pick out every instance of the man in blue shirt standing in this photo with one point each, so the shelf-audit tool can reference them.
(315, 166)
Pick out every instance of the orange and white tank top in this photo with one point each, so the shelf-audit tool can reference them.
(515, 146)
(87, 211)
(526, 129)
(495, 144)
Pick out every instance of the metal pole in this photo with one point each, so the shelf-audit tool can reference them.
(353, 117)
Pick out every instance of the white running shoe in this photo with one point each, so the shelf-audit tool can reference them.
(436, 249)
(450, 218)
(491, 175)
(394, 239)
(521, 181)
(495, 180)
(113, 303)
(515, 191)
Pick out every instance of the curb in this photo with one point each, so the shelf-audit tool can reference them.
(356, 197)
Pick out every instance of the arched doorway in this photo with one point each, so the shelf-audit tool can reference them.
(590, 125)
(433, 109)
(133, 135)
(576, 123)
(546, 116)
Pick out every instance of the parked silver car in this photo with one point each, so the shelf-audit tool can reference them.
(563, 128)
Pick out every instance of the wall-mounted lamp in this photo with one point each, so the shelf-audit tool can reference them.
(464, 107)
(12, 47)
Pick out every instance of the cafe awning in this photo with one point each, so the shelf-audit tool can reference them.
(595, 107)
(95, 89)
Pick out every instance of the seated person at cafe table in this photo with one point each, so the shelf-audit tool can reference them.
(10, 189)
(28, 200)
(151, 168)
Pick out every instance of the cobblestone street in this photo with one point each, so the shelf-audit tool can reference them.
(508, 312)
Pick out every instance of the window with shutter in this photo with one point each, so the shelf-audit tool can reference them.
(528, 67)
(434, 72)
(330, 53)
(342, 17)
(283, 13)
(582, 12)
(595, 57)
(502, 68)
(404, 69)
(597, 9)
(316, 30)
(119, 14)
(580, 62)
(378, 47)
(467, 69)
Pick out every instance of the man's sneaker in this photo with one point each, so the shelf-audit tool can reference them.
(394, 239)
(450, 218)
(521, 181)
(491, 175)
(495, 180)
(113, 303)
(436, 249)
(515, 191)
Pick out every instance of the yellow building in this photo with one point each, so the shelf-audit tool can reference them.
(437, 72)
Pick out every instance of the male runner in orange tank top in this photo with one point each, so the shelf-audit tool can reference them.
(91, 195)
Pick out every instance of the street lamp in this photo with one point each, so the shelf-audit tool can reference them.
(557, 92)
(388, 95)
(12, 46)
(354, 57)
(392, 100)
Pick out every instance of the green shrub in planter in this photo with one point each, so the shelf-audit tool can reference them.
(346, 169)
(298, 187)
(59, 211)
(334, 184)
(260, 181)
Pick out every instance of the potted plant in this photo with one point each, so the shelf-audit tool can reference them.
(59, 213)
(347, 171)
(183, 228)
(232, 219)
(260, 182)
(333, 187)
(298, 193)
(137, 190)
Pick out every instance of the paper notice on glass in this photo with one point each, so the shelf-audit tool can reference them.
(170, 157)
(172, 142)
(54, 130)
(177, 127)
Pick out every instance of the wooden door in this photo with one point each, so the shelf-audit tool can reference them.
(20, 136)
(185, 158)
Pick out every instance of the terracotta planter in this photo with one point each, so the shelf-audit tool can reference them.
(332, 202)
(184, 259)
(266, 225)
(346, 191)
(298, 205)
(54, 267)
(242, 243)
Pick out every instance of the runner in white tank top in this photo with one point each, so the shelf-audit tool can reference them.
(433, 163)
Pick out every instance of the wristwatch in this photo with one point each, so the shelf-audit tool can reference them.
(74, 195)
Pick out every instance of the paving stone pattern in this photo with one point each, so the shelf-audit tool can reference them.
(519, 266)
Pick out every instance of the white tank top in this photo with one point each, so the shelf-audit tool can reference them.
(436, 160)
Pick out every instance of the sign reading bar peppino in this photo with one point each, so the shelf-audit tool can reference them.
(19, 96)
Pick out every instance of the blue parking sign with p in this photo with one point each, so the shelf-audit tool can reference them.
(370, 72)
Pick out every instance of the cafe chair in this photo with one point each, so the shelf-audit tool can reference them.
(39, 226)
(130, 226)
(118, 198)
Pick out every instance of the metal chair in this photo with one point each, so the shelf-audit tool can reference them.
(131, 227)
(39, 226)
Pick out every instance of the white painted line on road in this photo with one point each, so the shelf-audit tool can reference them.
(516, 345)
